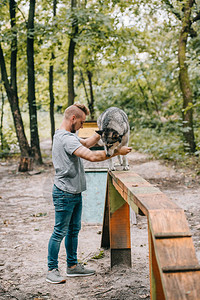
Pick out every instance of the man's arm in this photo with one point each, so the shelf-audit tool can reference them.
(91, 141)
(100, 155)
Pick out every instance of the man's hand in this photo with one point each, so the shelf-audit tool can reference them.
(124, 150)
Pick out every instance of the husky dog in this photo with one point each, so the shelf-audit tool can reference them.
(114, 131)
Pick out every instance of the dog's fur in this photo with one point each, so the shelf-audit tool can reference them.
(114, 130)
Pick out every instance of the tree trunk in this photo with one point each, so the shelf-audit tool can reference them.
(72, 45)
(84, 86)
(188, 132)
(13, 100)
(1, 122)
(91, 104)
(52, 121)
(51, 91)
(26, 163)
(71, 93)
(35, 144)
(11, 89)
(13, 60)
(143, 94)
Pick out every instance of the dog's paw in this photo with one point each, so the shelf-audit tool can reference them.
(126, 168)
(113, 169)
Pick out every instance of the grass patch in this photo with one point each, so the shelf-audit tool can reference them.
(100, 255)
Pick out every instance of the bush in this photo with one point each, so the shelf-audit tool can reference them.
(163, 145)
(167, 144)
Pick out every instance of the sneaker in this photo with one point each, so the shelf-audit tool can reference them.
(54, 276)
(79, 270)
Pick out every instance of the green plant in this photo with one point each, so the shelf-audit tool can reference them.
(99, 255)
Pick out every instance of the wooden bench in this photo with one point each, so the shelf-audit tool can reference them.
(173, 265)
(88, 129)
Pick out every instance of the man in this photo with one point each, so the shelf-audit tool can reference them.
(69, 183)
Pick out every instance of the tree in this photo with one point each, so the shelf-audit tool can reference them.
(1, 120)
(51, 73)
(35, 144)
(91, 102)
(185, 16)
(71, 52)
(188, 130)
(11, 87)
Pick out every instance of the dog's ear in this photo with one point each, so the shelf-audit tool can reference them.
(100, 132)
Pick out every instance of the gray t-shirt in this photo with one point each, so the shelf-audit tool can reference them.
(70, 174)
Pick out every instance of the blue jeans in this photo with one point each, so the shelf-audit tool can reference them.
(68, 209)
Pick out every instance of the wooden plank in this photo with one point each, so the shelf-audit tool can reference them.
(90, 124)
(120, 190)
(127, 197)
(144, 201)
(176, 251)
(115, 199)
(182, 286)
(86, 132)
(142, 193)
(120, 228)
(154, 202)
(171, 250)
(126, 177)
(89, 128)
(168, 221)
(128, 180)
(105, 237)
(156, 287)
(117, 216)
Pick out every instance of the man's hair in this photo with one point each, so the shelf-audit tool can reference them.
(76, 109)
(83, 108)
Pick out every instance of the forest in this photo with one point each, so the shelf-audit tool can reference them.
(142, 56)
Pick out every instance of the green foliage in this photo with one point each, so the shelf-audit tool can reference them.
(4, 147)
(131, 49)
(100, 255)
(10, 145)
(164, 141)
(163, 145)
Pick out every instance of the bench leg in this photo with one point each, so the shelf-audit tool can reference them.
(105, 238)
(117, 226)
(120, 243)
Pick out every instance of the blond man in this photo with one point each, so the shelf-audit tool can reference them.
(69, 183)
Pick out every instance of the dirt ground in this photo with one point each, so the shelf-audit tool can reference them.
(27, 219)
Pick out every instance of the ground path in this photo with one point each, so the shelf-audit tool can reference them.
(27, 219)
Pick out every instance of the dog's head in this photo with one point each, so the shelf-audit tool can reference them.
(111, 139)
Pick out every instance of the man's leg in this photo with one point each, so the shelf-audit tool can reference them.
(71, 244)
(63, 213)
(71, 240)
(62, 219)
